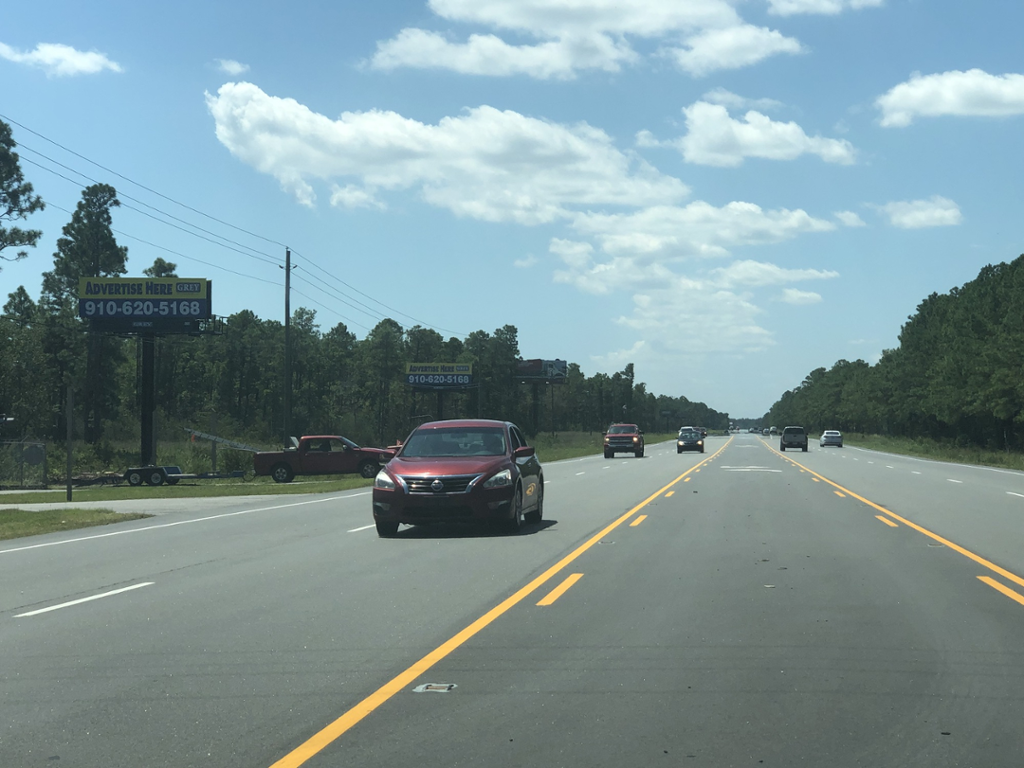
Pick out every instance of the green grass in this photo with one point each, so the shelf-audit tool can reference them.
(927, 448)
(16, 523)
(187, 489)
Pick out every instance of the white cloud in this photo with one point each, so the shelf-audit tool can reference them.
(826, 7)
(730, 48)
(698, 229)
(850, 219)
(733, 101)
(490, 55)
(756, 273)
(970, 93)
(526, 263)
(232, 67)
(485, 164)
(570, 36)
(58, 60)
(916, 214)
(351, 196)
(714, 138)
(793, 296)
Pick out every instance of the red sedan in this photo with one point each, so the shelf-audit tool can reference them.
(468, 470)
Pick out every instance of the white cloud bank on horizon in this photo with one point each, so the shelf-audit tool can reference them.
(714, 138)
(936, 211)
(58, 60)
(973, 93)
(579, 35)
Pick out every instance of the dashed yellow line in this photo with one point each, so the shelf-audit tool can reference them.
(639, 520)
(561, 589)
(887, 521)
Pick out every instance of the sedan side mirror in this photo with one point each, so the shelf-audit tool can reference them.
(524, 452)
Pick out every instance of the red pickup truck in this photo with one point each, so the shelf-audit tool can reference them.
(321, 455)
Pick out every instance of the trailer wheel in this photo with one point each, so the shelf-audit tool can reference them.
(282, 473)
(155, 477)
(134, 477)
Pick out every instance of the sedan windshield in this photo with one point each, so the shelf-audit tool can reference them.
(689, 435)
(473, 441)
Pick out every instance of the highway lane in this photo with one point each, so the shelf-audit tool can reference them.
(261, 628)
(981, 508)
(259, 617)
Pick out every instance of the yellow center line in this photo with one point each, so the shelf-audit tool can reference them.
(561, 589)
(920, 529)
(641, 518)
(334, 730)
(1005, 590)
(887, 521)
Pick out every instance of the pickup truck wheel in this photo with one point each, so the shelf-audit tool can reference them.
(805, 449)
(282, 473)
(369, 469)
(782, 448)
(386, 528)
(608, 454)
(639, 454)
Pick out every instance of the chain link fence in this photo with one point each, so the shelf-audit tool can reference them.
(22, 464)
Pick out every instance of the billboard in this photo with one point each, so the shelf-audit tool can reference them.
(127, 300)
(551, 371)
(439, 375)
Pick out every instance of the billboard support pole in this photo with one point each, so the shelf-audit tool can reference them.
(148, 386)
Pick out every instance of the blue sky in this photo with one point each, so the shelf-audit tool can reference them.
(727, 194)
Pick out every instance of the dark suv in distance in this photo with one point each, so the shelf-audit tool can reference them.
(623, 438)
(793, 437)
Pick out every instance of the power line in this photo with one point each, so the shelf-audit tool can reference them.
(389, 308)
(261, 255)
(265, 258)
(334, 311)
(177, 253)
(141, 186)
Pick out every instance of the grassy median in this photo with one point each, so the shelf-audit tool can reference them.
(926, 448)
(16, 523)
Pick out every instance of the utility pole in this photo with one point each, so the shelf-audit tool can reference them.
(287, 345)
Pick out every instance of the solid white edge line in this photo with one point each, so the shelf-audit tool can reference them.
(1011, 493)
(364, 528)
(84, 600)
(169, 525)
(951, 480)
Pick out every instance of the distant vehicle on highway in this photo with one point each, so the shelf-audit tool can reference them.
(765, 432)
(320, 455)
(773, 431)
(467, 470)
(623, 438)
(830, 437)
(689, 440)
(793, 437)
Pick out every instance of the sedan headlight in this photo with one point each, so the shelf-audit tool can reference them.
(700, 442)
(383, 480)
(680, 442)
(501, 480)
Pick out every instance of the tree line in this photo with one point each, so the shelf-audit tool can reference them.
(234, 379)
(957, 373)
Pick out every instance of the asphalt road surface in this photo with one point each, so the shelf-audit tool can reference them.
(743, 607)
